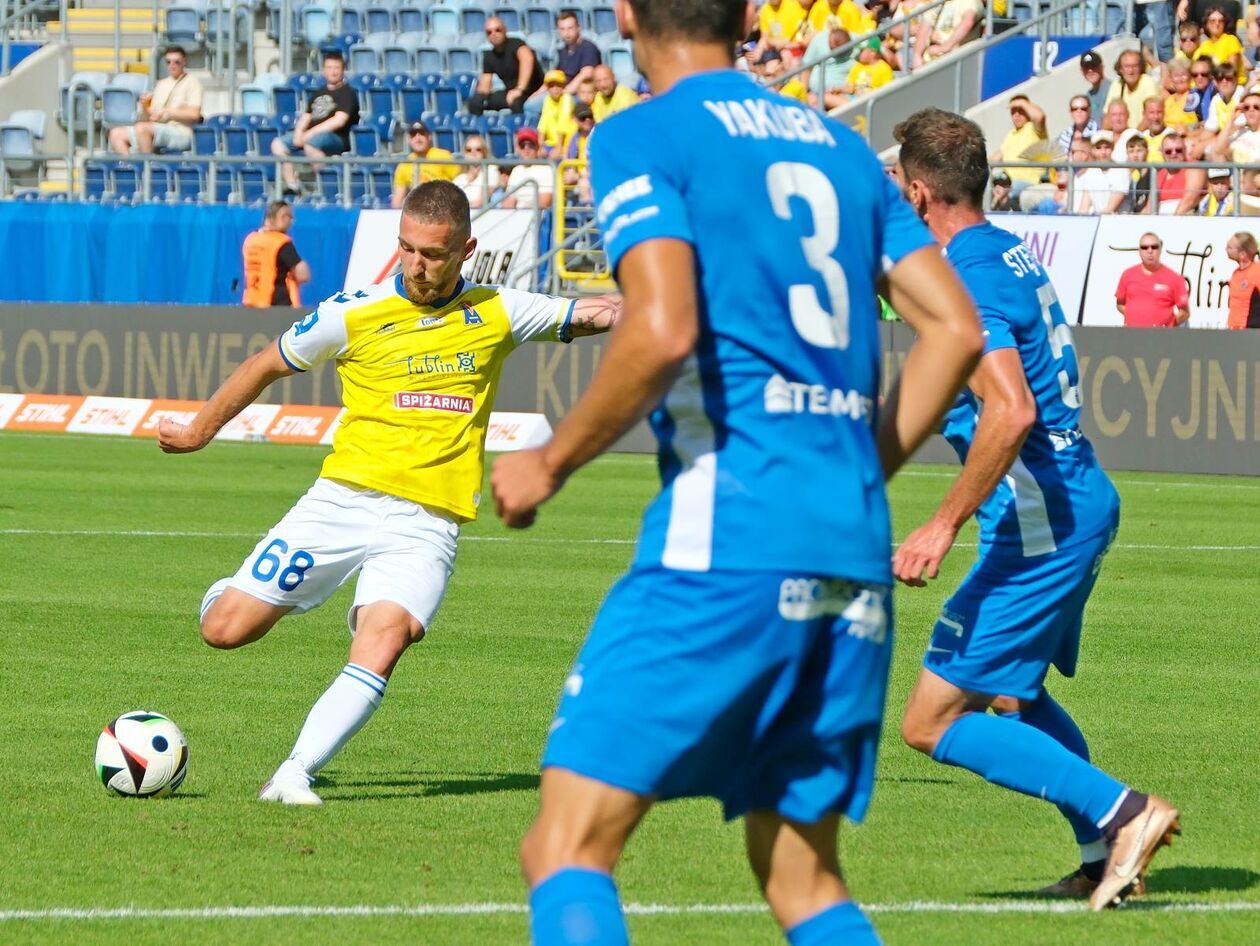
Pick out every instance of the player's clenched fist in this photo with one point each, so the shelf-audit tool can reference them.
(521, 482)
(177, 438)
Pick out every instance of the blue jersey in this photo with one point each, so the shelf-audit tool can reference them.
(1056, 494)
(766, 446)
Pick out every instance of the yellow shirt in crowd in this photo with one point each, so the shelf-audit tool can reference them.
(846, 14)
(605, 105)
(863, 78)
(418, 383)
(1221, 50)
(782, 23)
(405, 173)
(556, 121)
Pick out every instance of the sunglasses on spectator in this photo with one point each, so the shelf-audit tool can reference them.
(1079, 108)
(1150, 246)
(1251, 108)
(475, 149)
(1201, 75)
(1174, 152)
(491, 30)
(526, 144)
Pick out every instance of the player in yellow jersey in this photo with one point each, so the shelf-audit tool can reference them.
(419, 359)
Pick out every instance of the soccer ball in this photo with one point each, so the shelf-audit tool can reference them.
(142, 754)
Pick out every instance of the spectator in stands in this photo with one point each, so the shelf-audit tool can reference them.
(273, 268)
(577, 57)
(1244, 141)
(1178, 113)
(1197, 11)
(1080, 122)
(1152, 124)
(167, 115)
(1096, 89)
(835, 71)
(556, 120)
(1000, 192)
(1116, 119)
(771, 68)
(579, 178)
(1150, 294)
(953, 24)
(585, 94)
(642, 89)
(1188, 38)
(1219, 201)
(1029, 127)
(478, 181)
(870, 71)
(1131, 86)
(1244, 282)
(423, 163)
(610, 95)
(515, 65)
(1221, 45)
(324, 128)
(1101, 190)
(1141, 196)
(828, 15)
(1202, 90)
(1212, 140)
(782, 24)
(897, 36)
(1181, 190)
(542, 176)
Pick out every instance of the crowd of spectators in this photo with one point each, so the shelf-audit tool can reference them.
(1198, 107)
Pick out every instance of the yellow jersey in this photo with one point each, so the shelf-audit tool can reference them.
(605, 105)
(783, 23)
(418, 382)
(405, 173)
(846, 14)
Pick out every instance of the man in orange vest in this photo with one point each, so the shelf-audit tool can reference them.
(1244, 284)
(273, 269)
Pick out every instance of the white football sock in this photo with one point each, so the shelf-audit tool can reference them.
(1094, 851)
(336, 716)
(212, 595)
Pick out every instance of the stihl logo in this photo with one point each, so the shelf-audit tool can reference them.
(409, 400)
(105, 417)
(44, 414)
(296, 426)
(505, 431)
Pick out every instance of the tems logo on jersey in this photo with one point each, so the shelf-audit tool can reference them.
(428, 401)
(804, 599)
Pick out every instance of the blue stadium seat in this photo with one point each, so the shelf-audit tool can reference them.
(378, 183)
(253, 183)
(410, 19)
(317, 25)
(118, 106)
(466, 125)
(138, 82)
(378, 19)
(220, 183)
(284, 105)
(620, 58)
(95, 173)
(363, 60)
(380, 99)
(218, 121)
(123, 179)
(183, 25)
(539, 19)
(603, 20)
(446, 100)
(353, 17)
(397, 58)
(413, 103)
(264, 134)
(443, 128)
(444, 20)
(160, 179)
(190, 182)
(328, 184)
(255, 100)
(498, 140)
(385, 126)
(91, 85)
(205, 139)
(461, 59)
(364, 142)
(472, 20)
(513, 19)
(465, 82)
(430, 59)
(235, 140)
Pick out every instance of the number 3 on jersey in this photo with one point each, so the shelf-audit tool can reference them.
(826, 326)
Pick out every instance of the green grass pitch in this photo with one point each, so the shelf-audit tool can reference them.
(426, 805)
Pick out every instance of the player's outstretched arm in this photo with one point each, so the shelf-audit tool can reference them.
(240, 390)
(655, 334)
(596, 315)
(1008, 415)
(926, 292)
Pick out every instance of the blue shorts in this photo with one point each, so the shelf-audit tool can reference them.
(1012, 617)
(325, 141)
(764, 690)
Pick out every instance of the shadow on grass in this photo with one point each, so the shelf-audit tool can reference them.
(1170, 880)
(427, 785)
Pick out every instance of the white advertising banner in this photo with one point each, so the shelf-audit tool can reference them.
(1193, 246)
(1062, 245)
(507, 248)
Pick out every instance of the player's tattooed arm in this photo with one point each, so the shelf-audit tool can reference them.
(595, 316)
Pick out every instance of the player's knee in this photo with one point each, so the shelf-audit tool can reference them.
(223, 630)
(919, 733)
(551, 844)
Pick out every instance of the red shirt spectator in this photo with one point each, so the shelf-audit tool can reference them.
(1152, 295)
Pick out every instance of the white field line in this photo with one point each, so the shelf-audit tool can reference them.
(147, 533)
(633, 909)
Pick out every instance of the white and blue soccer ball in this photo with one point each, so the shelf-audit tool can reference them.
(142, 754)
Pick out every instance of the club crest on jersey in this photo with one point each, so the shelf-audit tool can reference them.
(308, 323)
(470, 315)
(428, 401)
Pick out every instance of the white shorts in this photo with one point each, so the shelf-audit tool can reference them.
(167, 136)
(405, 552)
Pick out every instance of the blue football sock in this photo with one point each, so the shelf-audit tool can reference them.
(574, 906)
(841, 923)
(1018, 756)
(1053, 720)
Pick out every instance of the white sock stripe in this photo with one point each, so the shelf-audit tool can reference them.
(1111, 813)
(362, 669)
(375, 690)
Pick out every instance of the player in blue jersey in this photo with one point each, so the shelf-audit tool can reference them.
(1047, 515)
(744, 656)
